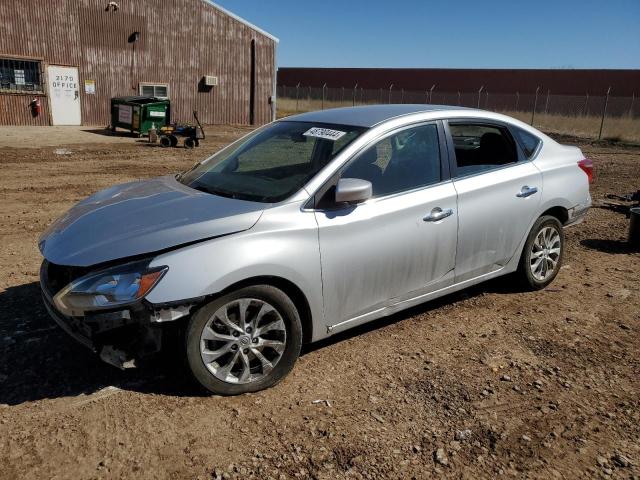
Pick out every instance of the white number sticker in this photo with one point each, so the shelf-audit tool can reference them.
(325, 133)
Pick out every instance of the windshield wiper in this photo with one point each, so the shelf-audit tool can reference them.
(213, 191)
(180, 175)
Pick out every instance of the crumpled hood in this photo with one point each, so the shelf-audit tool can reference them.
(142, 217)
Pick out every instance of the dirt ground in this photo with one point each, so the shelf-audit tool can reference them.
(486, 382)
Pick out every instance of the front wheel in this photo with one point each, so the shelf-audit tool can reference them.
(245, 341)
(543, 252)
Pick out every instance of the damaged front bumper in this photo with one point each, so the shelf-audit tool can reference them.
(123, 336)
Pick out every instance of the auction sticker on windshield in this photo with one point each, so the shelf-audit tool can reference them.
(325, 133)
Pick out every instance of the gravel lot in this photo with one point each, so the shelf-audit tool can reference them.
(489, 381)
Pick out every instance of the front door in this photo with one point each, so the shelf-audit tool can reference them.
(64, 95)
(396, 246)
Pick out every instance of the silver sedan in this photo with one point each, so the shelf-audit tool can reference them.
(307, 227)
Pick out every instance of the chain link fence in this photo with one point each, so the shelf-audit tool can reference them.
(590, 116)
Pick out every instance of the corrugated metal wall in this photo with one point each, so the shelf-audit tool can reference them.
(179, 43)
(524, 81)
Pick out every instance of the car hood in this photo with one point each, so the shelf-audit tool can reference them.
(142, 217)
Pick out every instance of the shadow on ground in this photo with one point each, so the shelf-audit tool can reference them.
(609, 246)
(106, 132)
(39, 361)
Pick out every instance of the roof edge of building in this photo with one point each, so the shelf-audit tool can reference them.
(242, 20)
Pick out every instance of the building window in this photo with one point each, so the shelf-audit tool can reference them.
(154, 90)
(20, 75)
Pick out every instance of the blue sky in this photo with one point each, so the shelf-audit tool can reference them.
(458, 33)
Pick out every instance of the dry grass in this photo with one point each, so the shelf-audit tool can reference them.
(626, 129)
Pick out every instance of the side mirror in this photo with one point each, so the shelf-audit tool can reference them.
(353, 190)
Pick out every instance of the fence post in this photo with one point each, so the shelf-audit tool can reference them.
(355, 90)
(323, 90)
(546, 105)
(342, 97)
(486, 99)
(362, 95)
(297, 96)
(586, 105)
(458, 98)
(380, 99)
(517, 100)
(479, 94)
(402, 95)
(535, 104)
(604, 112)
(431, 91)
(633, 99)
(426, 96)
(390, 88)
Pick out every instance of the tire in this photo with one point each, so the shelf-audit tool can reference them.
(189, 143)
(165, 141)
(535, 275)
(208, 335)
(174, 140)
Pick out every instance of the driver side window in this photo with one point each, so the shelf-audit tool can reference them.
(404, 161)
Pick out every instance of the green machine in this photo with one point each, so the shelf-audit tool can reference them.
(139, 114)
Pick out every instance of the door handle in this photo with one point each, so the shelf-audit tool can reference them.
(526, 191)
(438, 214)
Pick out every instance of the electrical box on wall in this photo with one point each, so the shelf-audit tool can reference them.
(210, 81)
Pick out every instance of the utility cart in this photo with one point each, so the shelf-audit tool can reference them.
(168, 134)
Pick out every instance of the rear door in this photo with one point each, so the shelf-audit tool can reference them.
(499, 191)
(64, 95)
(397, 245)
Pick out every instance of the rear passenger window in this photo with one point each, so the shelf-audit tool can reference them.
(527, 141)
(480, 147)
(404, 161)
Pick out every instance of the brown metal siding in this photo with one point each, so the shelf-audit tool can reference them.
(14, 110)
(179, 43)
(559, 82)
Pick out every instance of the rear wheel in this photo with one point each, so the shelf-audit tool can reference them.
(165, 141)
(189, 142)
(244, 341)
(543, 252)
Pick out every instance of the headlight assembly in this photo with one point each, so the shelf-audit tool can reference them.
(110, 288)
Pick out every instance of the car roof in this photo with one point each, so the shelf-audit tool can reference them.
(369, 115)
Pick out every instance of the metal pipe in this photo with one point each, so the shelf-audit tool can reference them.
(586, 105)
(604, 112)
(323, 93)
(546, 105)
(535, 104)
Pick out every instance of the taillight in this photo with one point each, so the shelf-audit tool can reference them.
(587, 167)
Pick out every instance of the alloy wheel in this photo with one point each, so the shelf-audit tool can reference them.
(243, 341)
(545, 253)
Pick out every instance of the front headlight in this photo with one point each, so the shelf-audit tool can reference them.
(110, 288)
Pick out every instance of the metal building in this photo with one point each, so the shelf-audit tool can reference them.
(74, 55)
(508, 80)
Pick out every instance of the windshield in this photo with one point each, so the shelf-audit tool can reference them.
(272, 163)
